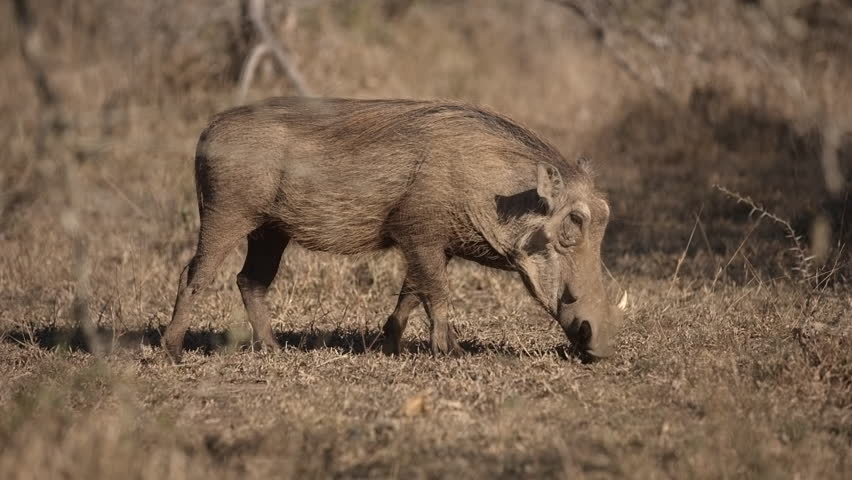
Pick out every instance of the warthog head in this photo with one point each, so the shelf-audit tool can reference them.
(558, 256)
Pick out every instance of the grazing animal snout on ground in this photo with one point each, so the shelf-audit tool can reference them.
(435, 180)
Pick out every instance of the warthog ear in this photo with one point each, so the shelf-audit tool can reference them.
(549, 186)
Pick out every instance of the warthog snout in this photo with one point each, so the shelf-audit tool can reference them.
(592, 330)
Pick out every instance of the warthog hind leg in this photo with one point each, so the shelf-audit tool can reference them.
(217, 237)
(265, 247)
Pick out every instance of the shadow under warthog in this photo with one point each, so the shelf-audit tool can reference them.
(211, 341)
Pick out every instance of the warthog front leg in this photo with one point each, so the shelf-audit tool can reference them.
(427, 272)
(442, 335)
(406, 303)
(398, 320)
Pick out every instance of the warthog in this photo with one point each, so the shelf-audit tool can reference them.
(436, 180)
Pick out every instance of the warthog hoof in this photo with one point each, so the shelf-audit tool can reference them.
(391, 346)
(446, 345)
(175, 355)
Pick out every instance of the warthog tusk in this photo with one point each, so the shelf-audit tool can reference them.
(622, 304)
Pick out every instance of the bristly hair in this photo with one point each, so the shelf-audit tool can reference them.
(367, 122)
(586, 166)
(503, 127)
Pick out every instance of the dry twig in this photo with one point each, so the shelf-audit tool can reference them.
(604, 35)
(53, 132)
(256, 14)
(804, 261)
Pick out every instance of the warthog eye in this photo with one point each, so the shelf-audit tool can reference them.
(572, 230)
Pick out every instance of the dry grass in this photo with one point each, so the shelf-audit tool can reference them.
(728, 366)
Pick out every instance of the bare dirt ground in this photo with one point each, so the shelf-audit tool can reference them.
(735, 359)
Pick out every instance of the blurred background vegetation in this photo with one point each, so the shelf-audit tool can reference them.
(721, 130)
(669, 97)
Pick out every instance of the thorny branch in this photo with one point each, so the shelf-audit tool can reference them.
(803, 258)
